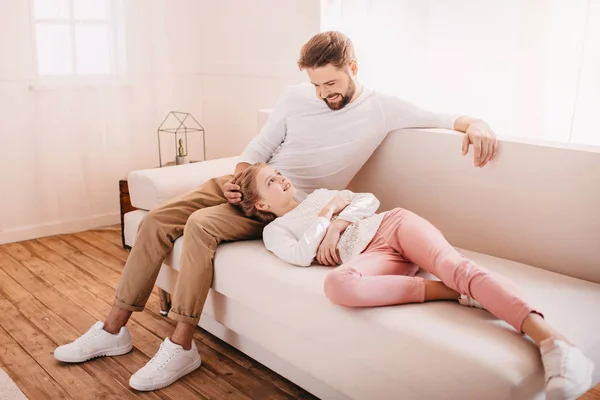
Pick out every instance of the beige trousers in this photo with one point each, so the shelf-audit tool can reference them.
(205, 219)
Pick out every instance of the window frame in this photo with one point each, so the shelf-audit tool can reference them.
(75, 78)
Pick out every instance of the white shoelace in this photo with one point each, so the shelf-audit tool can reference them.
(86, 337)
(162, 357)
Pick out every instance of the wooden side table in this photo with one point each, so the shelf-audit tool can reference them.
(125, 207)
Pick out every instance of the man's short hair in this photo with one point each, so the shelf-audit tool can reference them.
(326, 48)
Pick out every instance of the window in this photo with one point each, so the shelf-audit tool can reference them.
(530, 68)
(75, 37)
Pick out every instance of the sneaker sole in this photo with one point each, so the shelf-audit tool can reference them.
(119, 351)
(586, 383)
(159, 385)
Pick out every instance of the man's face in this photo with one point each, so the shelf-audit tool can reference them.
(335, 86)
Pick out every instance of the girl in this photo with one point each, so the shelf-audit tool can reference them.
(379, 256)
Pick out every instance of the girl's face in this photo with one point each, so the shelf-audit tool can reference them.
(275, 190)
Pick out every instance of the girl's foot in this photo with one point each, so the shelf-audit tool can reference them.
(469, 302)
(568, 371)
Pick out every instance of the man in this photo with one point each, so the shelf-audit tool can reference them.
(318, 142)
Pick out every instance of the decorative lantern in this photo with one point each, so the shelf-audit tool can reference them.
(179, 124)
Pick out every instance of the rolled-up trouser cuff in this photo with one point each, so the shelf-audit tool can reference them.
(126, 306)
(183, 318)
(531, 311)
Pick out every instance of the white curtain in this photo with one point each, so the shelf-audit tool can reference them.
(64, 146)
(529, 67)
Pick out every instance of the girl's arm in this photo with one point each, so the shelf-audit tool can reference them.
(300, 252)
(362, 205)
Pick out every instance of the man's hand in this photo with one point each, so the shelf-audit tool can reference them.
(480, 135)
(231, 190)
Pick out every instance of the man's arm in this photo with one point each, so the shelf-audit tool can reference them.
(479, 134)
(261, 148)
(264, 145)
(400, 114)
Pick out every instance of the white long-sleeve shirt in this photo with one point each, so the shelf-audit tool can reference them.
(296, 236)
(317, 147)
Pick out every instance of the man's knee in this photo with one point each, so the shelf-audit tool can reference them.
(200, 227)
(153, 227)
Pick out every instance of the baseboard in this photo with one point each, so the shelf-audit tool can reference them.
(57, 228)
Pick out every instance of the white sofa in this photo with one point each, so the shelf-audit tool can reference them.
(533, 216)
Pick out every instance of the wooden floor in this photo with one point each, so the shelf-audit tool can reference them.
(53, 289)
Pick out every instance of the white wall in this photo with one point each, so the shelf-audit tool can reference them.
(63, 151)
(249, 54)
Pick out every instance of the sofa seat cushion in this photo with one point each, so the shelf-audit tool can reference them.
(436, 350)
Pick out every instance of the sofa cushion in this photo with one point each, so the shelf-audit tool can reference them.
(431, 350)
(415, 345)
(149, 188)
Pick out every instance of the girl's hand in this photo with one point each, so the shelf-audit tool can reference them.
(335, 206)
(327, 252)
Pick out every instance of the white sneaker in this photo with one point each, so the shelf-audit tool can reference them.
(469, 302)
(95, 343)
(568, 370)
(170, 363)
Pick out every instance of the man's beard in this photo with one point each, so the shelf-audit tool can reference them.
(345, 98)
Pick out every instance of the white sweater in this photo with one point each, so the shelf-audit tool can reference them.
(296, 236)
(317, 147)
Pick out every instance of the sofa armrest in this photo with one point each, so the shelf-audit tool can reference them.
(149, 188)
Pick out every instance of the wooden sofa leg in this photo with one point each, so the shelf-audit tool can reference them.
(165, 302)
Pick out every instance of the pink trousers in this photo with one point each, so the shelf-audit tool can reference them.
(383, 274)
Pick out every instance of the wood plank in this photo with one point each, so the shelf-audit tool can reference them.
(203, 382)
(81, 260)
(224, 349)
(112, 235)
(58, 331)
(27, 250)
(24, 370)
(105, 370)
(81, 321)
(59, 254)
(237, 376)
(592, 394)
(104, 245)
(142, 338)
(159, 325)
(55, 250)
(283, 384)
(94, 253)
(70, 270)
(50, 254)
(73, 378)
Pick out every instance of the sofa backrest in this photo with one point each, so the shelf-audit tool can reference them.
(538, 203)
